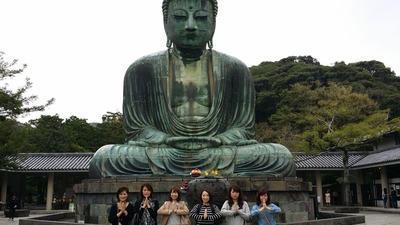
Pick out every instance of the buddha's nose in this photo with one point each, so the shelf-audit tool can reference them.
(191, 24)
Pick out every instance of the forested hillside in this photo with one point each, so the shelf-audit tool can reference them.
(290, 94)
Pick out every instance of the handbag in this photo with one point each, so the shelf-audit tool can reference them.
(135, 220)
(164, 220)
(185, 220)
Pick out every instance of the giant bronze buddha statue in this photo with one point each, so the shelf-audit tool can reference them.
(190, 107)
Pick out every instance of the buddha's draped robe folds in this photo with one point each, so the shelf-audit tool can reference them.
(149, 120)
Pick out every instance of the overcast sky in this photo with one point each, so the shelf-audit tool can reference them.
(77, 51)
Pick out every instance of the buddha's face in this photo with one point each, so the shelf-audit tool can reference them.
(190, 23)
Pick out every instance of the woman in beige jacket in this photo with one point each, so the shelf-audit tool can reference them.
(174, 211)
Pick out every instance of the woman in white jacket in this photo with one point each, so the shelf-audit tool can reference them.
(235, 210)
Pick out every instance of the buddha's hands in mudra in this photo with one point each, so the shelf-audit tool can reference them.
(193, 143)
(153, 137)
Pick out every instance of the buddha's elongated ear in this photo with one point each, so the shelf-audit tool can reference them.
(210, 44)
(169, 43)
(165, 5)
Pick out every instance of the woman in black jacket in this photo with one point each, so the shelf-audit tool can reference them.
(146, 206)
(121, 212)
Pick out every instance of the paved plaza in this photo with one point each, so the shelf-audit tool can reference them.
(373, 216)
(4, 220)
(379, 216)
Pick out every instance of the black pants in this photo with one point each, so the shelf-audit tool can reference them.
(11, 213)
(393, 202)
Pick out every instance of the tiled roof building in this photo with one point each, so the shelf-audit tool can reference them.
(54, 162)
(79, 162)
(379, 158)
(326, 160)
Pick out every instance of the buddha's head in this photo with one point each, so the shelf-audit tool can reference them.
(189, 24)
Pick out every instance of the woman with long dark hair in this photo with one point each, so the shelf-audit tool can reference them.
(205, 213)
(146, 206)
(235, 210)
(264, 211)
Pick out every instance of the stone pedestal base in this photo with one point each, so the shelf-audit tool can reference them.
(94, 197)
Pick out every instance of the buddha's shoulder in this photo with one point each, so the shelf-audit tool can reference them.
(228, 59)
(160, 59)
(149, 60)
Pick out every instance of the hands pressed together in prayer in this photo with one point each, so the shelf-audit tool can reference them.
(173, 210)
(146, 203)
(264, 206)
(122, 210)
(235, 208)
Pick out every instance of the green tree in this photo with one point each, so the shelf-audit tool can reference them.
(49, 135)
(81, 135)
(53, 134)
(358, 134)
(332, 118)
(111, 130)
(13, 103)
(7, 141)
(373, 78)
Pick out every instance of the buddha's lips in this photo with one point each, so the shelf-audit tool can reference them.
(191, 35)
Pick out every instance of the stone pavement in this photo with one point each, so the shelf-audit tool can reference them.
(373, 216)
(379, 216)
(34, 213)
(4, 220)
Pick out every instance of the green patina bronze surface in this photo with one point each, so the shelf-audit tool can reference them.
(190, 107)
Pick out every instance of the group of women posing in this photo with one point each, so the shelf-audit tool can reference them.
(235, 210)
